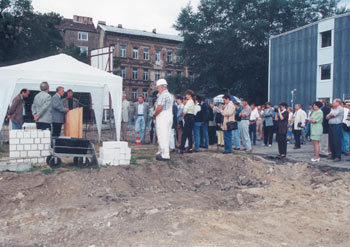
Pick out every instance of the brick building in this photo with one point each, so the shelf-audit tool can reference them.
(144, 57)
(81, 32)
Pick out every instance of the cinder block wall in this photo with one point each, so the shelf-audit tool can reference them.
(115, 153)
(29, 145)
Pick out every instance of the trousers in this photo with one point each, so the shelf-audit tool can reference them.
(164, 122)
(124, 130)
(252, 132)
(297, 134)
(228, 141)
(220, 134)
(56, 129)
(335, 136)
(187, 131)
(236, 135)
(205, 137)
(324, 144)
(245, 135)
(282, 143)
(345, 141)
(43, 126)
(140, 126)
(268, 134)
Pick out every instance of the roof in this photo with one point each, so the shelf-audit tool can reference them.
(134, 32)
(311, 24)
(77, 26)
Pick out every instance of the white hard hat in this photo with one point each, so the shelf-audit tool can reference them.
(161, 82)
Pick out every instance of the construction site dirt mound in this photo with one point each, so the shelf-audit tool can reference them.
(202, 199)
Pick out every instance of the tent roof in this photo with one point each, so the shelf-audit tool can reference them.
(58, 67)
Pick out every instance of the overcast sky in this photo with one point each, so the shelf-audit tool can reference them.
(134, 14)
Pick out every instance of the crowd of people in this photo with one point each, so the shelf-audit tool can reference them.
(48, 111)
(197, 123)
(186, 124)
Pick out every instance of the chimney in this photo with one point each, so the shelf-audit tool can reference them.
(120, 25)
(154, 31)
(102, 22)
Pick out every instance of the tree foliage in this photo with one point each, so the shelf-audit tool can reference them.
(74, 51)
(226, 41)
(26, 35)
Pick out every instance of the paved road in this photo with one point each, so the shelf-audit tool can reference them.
(304, 154)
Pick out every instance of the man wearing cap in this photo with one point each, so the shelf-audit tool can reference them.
(164, 119)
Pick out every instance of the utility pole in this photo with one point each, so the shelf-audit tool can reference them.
(292, 100)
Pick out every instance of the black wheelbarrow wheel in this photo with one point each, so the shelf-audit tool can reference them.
(48, 158)
(82, 163)
(55, 162)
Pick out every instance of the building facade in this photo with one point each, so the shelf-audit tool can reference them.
(80, 31)
(142, 57)
(311, 62)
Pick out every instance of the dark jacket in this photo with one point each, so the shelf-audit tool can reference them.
(58, 109)
(199, 116)
(237, 117)
(75, 103)
(205, 112)
(282, 125)
(174, 116)
(219, 119)
(326, 110)
(16, 110)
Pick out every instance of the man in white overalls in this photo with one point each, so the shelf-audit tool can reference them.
(164, 119)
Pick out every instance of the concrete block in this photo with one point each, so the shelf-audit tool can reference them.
(47, 146)
(115, 145)
(20, 134)
(26, 160)
(46, 140)
(33, 133)
(37, 140)
(13, 134)
(27, 147)
(47, 133)
(27, 141)
(3, 167)
(44, 153)
(40, 134)
(20, 147)
(34, 147)
(14, 141)
(26, 134)
(124, 162)
(34, 160)
(13, 147)
(127, 156)
(40, 146)
(14, 154)
(41, 160)
(34, 154)
(15, 166)
(23, 154)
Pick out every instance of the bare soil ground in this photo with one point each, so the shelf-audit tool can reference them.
(202, 199)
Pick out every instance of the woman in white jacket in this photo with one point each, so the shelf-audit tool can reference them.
(299, 120)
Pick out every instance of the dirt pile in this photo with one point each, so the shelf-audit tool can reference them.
(203, 199)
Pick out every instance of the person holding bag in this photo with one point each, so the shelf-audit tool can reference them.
(228, 125)
(316, 129)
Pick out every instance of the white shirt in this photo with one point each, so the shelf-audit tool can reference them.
(197, 108)
(254, 115)
(346, 112)
(140, 109)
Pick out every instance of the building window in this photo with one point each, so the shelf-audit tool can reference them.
(178, 59)
(326, 39)
(168, 74)
(134, 74)
(123, 50)
(83, 36)
(170, 57)
(157, 75)
(191, 77)
(84, 49)
(123, 72)
(145, 75)
(134, 93)
(179, 73)
(145, 93)
(135, 53)
(326, 72)
(157, 55)
(124, 90)
(146, 53)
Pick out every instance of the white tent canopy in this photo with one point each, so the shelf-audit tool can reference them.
(62, 70)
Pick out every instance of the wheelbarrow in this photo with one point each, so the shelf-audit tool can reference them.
(81, 150)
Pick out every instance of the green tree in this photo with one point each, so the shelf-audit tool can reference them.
(226, 41)
(26, 35)
(74, 51)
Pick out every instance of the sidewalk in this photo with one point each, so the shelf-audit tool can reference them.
(301, 155)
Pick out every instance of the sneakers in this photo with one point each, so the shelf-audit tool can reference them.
(270, 145)
(160, 158)
(315, 160)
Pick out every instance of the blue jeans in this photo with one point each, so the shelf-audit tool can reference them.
(140, 126)
(16, 126)
(307, 129)
(335, 137)
(252, 132)
(205, 138)
(345, 141)
(236, 136)
(228, 141)
(197, 135)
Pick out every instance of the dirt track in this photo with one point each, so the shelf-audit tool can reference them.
(204, 199)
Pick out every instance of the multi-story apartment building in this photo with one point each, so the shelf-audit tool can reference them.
(143, 57)
(81, 32)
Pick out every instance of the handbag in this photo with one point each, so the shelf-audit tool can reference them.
(232, 125)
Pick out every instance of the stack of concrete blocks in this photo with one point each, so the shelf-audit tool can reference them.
(29, 145)
(115, 153)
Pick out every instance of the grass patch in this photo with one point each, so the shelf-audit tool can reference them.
(48, 171)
